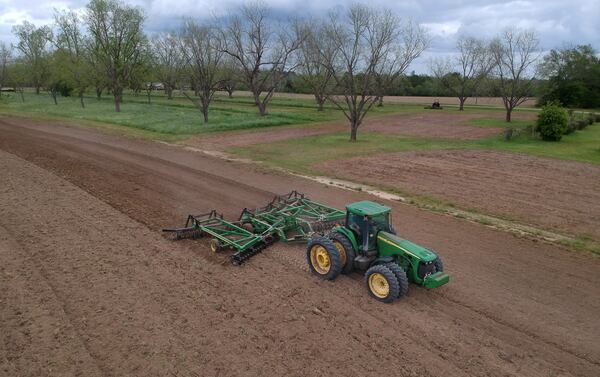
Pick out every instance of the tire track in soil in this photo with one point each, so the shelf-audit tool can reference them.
(290, 257)
(445, 340)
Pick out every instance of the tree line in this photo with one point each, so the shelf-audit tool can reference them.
(350, 58)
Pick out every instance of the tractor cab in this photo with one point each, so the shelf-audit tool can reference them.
(365, 219)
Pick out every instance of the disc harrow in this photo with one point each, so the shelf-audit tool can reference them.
(289, 217)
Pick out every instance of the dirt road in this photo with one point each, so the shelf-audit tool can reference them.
(90, 287)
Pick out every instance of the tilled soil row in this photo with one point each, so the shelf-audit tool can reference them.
(551, 193)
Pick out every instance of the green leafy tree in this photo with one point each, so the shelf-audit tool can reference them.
(573, 77)
(167, 54)
(119, 42)
(72, 49)
(5, 61)
(33, 44)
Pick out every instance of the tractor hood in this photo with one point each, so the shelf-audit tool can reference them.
(406, 246)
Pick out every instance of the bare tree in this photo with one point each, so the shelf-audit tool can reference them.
(119, 41)
(230, 75)
(70, 41)
(264, 56)
(5, 60)
(411, 41)
(203, 54)
(463, 74)
(314, 53)
(514, 55)
(33, 45)
(169, 61)
(371, 46)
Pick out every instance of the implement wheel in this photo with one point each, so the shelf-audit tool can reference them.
(347, 253)
(215, 245)
(324, 258)
(382, 283)
(439, 265)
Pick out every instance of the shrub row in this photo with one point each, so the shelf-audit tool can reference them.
(554, 121)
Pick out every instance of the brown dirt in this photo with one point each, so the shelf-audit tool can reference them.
(89, 286)
(449, 125)
(557, 194)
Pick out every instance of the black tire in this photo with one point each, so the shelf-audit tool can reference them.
(389, 291)
(322, 249)
(401, 276)
(439, 265)
(346, 250)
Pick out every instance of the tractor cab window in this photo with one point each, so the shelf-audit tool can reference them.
(367, 227)
(380, 222)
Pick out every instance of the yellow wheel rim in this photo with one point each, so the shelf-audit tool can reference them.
(379, 285)
(320, 260)
(342, 251)
(214, 246)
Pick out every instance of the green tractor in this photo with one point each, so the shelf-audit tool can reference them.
(368, 242)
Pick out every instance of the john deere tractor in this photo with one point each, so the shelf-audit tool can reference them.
(368, 242)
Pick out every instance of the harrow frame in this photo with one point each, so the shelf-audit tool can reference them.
(289, 217)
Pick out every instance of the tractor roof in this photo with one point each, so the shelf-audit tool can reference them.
(367, 208)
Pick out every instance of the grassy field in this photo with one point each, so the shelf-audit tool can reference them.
(300, 154)
(179, 116)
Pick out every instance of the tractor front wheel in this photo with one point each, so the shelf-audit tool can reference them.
(401, 276)
(324, 258)
(382, 283)
(346, 250)
(439, 265)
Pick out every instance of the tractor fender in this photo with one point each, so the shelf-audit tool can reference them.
(349, 235)
(382, 260)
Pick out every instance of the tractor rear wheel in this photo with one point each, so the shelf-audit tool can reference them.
(346, 250)
(324, 258)
(439, 265)
(382, 283)
(401, 276)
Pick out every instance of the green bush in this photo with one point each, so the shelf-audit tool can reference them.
(552, 122)
(581, 124)
(597, 117)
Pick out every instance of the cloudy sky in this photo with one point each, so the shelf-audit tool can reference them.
(557, 22)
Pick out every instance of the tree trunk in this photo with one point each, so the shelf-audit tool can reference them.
(37, 89)
(353, 132)
(22, 95)
(81, 98)
(98, 93)
(462, 103)
(380, 101)
(169, 92)
(320, 101)
(230, 92)
(205, 113)
(54, 98)
(117, 102)
(353, 129)
(508, 114)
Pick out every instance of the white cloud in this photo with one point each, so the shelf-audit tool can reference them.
(557, 22)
